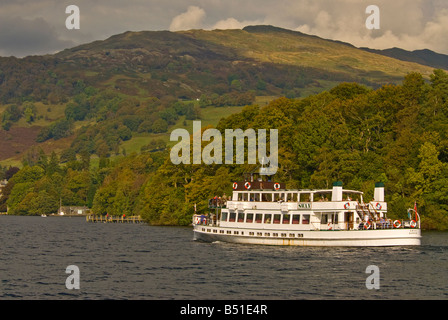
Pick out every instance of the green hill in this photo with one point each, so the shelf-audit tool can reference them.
(92, 98)
(425, 57)
(286, 47)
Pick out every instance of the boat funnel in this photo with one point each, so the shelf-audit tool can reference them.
(336, 195)
(378, 194)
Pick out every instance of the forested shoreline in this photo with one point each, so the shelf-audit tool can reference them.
(397, 134)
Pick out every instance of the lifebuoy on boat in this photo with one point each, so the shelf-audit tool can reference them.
(276, 186)
(247, 185)
(378, 206)
(397, 224)
(413, 224)
(235, 186)
(367, 225)
(347, 205)
(329, 226)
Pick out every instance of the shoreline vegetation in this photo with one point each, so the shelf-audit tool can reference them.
(396, 134)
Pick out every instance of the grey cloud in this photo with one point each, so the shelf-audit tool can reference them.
(191, 19)
(21, 37)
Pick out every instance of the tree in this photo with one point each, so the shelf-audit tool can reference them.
(76, 112)
(170, 115)
(11, 114)
(29, 112)
(120, 189)
(438, 95)
(57, 130)
(159, 126)
(28, 174)
(347, 91)
(430, 187)
(75, 188)
(124, 133)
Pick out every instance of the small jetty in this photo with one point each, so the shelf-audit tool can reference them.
(114, 219)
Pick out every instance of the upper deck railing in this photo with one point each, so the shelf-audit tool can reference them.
(258, 185)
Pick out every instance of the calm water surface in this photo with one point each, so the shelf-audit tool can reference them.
(137, 261)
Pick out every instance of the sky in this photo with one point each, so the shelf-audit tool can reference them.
(35, 27)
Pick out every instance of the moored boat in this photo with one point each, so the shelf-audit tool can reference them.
(265, 212)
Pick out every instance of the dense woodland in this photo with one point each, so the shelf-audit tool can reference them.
(396, 134)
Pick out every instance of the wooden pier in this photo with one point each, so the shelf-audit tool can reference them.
(114, 219)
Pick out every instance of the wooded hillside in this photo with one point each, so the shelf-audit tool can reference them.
(397, 134)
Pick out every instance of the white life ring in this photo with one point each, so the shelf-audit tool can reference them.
(378, 206)
(329, 226)
(235, 186)
(347, 205)
(397, 224)
(276, 186)
(367, 225)
(247, 185)
(413, 224)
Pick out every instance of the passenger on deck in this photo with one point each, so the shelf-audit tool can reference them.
(382, 222)
(224, 200)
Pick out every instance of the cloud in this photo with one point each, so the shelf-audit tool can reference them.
(22, 37)
(232, 23)
(404, 24)
(435, 32)
(191, 19)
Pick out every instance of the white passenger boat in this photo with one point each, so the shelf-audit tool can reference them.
(263, 212)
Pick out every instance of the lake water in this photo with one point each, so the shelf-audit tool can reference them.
(141, 262)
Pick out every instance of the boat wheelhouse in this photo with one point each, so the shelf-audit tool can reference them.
(265, 212)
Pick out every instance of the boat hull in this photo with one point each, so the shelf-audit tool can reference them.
(333, 238)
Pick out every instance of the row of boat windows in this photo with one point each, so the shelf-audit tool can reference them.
(287, 196)
(280, 196)
(259, 234)
(265, 218)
